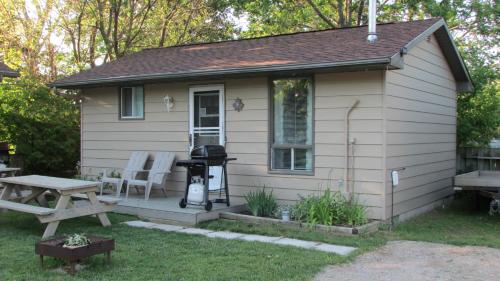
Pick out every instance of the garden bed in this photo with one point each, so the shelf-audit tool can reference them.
(367, 228)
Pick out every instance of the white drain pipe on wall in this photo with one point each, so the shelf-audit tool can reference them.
(346, 142)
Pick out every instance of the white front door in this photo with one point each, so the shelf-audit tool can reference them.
(206, 122)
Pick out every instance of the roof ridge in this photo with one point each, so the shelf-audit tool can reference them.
(282, 34)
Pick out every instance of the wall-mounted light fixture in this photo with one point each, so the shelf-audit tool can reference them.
(238, 104)
(168, 101)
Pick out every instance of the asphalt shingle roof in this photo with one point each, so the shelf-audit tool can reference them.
(7, 71)
(305, 48)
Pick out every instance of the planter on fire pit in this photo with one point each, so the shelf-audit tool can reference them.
(55, 248)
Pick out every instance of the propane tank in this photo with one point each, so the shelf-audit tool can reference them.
(196, 191)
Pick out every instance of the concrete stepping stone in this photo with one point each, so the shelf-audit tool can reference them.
(224, 235)
(295, 243)
(341, 250)
(195, 231)
(258, 238)
(167, 227)
(329, 248)
(142, 224)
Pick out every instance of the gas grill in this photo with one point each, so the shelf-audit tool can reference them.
(199, 175)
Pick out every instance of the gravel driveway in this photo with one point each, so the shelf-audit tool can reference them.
(409, 260)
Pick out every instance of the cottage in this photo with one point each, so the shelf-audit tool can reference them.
(301, 111)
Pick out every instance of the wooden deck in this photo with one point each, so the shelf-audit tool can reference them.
(166, 209)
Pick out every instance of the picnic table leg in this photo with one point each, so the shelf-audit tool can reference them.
(17, 188)
(62, 203)
(6, 192)
(108, 257)
(94, 202)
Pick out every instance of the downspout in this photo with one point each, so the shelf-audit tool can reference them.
(81, 132)
(346, 143)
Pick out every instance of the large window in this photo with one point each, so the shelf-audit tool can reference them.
(132, 102)
(292, 133)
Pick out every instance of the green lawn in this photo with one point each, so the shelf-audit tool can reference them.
(144, 254)
(458, 225)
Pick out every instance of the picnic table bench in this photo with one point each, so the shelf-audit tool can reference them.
(25, 208)
(63, 190)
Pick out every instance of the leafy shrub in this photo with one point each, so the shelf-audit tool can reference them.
(329, 209)
(355, 213)
(42, 127)
(261, 203)
(76, 240)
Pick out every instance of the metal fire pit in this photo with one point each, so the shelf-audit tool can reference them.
(54, 248)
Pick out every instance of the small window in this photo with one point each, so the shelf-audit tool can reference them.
(132, 102)
(292, 137)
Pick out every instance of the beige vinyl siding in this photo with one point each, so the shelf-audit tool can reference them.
(247, 137)
(107, 142)
(420, 122)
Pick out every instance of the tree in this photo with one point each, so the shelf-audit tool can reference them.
(42, 126)
(26, 30)
(80, 34)
(478, 117)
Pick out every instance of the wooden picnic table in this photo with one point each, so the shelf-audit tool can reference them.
(63, 190)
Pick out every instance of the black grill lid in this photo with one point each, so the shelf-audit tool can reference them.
(209, 152)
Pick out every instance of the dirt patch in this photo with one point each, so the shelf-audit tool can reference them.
(409, 260)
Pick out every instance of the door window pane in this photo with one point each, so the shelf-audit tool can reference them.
(206, 138)
(206, 109)
(206, 118)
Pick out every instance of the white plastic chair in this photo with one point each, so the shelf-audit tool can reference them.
(134, 165)
(157, 175)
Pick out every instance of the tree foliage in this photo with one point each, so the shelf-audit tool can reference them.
(478, 112)
(52, 38)
(43, 127)
(47, 39)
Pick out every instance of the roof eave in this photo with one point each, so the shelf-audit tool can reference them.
(10, 74)
(355, 64)
(450, 50)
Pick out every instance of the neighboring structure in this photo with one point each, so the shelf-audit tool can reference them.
(286, 106)
(6, 71)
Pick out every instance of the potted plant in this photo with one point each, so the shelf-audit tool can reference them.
(76, 240)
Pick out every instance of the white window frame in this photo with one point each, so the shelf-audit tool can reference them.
(133, 116)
